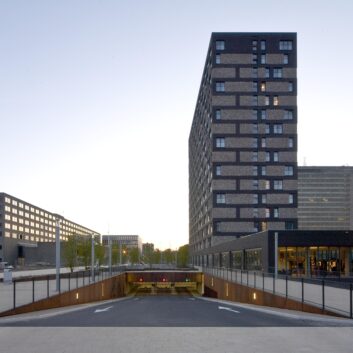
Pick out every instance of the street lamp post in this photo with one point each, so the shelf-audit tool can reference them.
(92, 257)
(57, 254)
(110, 255)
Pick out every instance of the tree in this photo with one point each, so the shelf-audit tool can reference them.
(157, 256)
(183, 255)
(115, 254)
(70, 251)
(134, 255)
(148, 256)
(99, 253)
(168, 256)
(84, 250)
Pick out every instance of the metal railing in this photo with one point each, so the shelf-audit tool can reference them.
(30, 289)
(323, 293)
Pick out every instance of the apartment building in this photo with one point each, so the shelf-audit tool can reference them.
(243, 139)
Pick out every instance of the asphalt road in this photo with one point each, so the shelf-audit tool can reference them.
(172, 311)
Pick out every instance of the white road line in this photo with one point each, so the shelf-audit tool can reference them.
(102, 310)
(228, 309)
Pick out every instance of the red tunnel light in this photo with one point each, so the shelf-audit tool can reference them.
(163, 279)
(141, 279)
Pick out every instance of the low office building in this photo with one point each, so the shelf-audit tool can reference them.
(325, 198)
(299, 253)
(128, 241)
(23, 225)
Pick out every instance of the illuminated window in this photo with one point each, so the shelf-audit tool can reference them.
(275, 100)
(263, 86)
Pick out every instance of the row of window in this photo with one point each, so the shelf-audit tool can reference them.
(221, 141)
(261, 170)
(221, 199)
(30, 237)
(283, 45)
(263, 59)
(287, 114)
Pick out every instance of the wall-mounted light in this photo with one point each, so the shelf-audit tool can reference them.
(254, 296)
(77, 295)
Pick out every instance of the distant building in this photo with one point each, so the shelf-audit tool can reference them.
(129, 241)
(147, 248)
(325, 198)
(23, 225)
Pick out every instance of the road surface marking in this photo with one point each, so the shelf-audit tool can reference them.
(101, 310)
(228, 309)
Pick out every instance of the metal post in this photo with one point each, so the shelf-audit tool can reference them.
(32, 289)
(276, 254)
(247, 278)
(254, 279)
(69, 281)
(14, 294)
(274, 285)
(110, 256)
(350, 301)
(263, 281)
(48, 286)
(302, 290)
(286, 286)
(92, 258)
(57, 254)
(76, 280)
(323, 295)
(120, 250)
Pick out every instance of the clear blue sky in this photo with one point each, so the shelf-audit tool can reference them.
(97, 99)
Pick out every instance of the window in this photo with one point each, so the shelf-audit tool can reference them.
(254, 72)
(275, 212)
(288, 170)
(263, 170)
(278, 129)
(285, 45)
(277, 73)
(254, 45)
(267, 212)
(254, 86)
(275, 157)
(277, 184)
(285, 58)
(254, 100)
(254, 157)
(288, 114)
(290, 142)
(218, 58)
(263, 45)
(290, 198)
(255, 184)
(220, 142)
(254, 114)
(267, 128)
(220, 44)
(263, 114)
(263, 87)
(267, 100)
(254, 143)
(220, 198)
(14, 202)
(255, 199)
(255, 128)
(263, 59)
(218, 114)
(254, 171)
(218, 170)
(275, 100)
(289, 225)
(267, 185)
(255, 212)
(254, 59)
(267, 72)
(219, 86)
(263, 198)
(290, 87)
(267, 157)
(263, 142)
